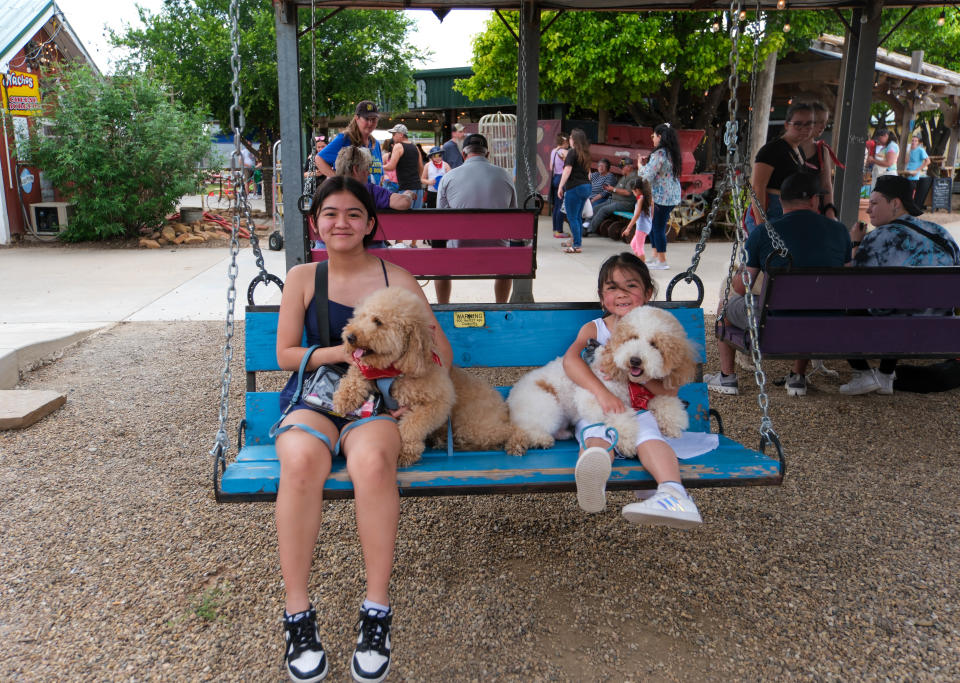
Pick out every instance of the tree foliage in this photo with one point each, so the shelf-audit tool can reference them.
(359, 54)
(121, 148)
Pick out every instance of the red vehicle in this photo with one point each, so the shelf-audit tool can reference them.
(624, 140)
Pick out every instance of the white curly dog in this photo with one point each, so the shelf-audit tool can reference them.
(647, 343)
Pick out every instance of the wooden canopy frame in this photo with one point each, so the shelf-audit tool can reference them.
(857, 72)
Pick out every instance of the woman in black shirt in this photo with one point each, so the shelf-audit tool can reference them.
(575, 187)
(777, 160)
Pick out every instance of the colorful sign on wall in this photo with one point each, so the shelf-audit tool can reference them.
(21, 94)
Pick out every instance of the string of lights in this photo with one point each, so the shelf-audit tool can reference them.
(44, 52)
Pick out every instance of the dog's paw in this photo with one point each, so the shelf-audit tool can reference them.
(671, 417)
(409, 454)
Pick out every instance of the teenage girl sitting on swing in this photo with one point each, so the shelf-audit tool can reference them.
(346, 221)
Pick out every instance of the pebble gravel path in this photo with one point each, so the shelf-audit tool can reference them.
(117, 564)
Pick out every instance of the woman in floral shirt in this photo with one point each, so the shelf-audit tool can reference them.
(661, 172)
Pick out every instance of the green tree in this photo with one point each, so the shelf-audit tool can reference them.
(360, 54)
(121, 148)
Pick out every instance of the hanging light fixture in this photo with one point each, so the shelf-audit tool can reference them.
(942, 19)
(716, 25)
(786, 27)
(743, 14)
(781, 4)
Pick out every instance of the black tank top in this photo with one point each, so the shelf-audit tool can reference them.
(407, 176)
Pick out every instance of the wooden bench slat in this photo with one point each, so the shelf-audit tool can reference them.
(451, 224)
(263, 409)
(462, 263)
(862, 288)
(474, 473)
(536, 334)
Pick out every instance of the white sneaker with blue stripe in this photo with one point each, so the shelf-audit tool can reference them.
(664, 509)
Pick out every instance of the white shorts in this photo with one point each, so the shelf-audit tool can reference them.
(647, 430)
(688, 445)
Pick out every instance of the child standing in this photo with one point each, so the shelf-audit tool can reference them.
(623, 285)
(642, 218)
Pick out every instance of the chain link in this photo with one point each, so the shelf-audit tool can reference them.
(736, 173)
(241, 208)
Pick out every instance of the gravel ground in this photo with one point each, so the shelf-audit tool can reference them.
(117, 564)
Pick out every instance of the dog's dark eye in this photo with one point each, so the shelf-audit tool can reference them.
(654, 344)
(377, 322)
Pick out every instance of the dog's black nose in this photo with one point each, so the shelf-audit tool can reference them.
(635, 362)
(351, 339)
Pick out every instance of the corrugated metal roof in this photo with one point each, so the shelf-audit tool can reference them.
(20, 20)
(887, 69)
(607, 5)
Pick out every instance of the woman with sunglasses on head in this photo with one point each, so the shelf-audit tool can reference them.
(777, 160)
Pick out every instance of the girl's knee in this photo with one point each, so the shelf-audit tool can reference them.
(372, 463)
(304, 467)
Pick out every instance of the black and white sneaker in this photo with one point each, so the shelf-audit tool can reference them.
(371, 658)
(305, 659)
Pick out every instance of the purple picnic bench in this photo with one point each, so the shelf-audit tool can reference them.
(468, 261)
(833, 313)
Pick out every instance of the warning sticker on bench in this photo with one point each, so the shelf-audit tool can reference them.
(469, 319)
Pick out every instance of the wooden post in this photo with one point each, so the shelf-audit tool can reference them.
(762, 99)
(288, 76)
(857, 96)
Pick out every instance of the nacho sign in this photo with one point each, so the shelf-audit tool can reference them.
(21, 94)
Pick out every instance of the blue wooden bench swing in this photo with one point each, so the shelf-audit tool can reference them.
(482, 336)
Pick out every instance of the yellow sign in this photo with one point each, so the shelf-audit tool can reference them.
(21, 94)
(469, 319)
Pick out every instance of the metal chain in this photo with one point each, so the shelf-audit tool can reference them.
(736, 175)
(222, 440)
(313, 68)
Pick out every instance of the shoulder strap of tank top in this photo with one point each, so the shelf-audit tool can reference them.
(386, 280)
(320, 303)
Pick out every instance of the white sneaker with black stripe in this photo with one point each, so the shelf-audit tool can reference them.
(371, 658)
(664, 509)
(305, 660)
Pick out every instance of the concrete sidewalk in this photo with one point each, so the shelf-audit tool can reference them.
(56, 296)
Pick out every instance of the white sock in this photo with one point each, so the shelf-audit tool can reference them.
(672, 487)
(370, 604)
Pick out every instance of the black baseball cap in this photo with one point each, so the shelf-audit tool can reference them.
(367, 108)
(800, 186)
(898, 187)
(475, 140)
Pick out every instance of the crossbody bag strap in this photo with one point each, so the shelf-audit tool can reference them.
(320, 302)
(936, 239)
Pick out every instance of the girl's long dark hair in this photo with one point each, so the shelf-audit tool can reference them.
(581, 147)
(341, 183)
(669, 144)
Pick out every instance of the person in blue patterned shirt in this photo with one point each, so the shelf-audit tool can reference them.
(900, 240)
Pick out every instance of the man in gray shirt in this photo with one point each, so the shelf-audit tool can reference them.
(621, 196)
(476, 184)
(451, 148)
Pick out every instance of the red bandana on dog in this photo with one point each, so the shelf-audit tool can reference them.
(639, 395)
(377, 373)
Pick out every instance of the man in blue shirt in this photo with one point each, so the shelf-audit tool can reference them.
(813, 240)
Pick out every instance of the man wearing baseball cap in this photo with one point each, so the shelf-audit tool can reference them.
(451, 148)
(406, 160)
(899, 239)
(812, 239)
(621, 196)
(359, 133)
(476, 184)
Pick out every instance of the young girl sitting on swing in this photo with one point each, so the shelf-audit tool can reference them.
(346, 221)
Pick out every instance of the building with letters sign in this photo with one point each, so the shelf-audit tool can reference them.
(34, 35)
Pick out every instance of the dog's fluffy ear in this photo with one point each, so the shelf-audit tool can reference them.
(415, 358)
(606, 364)
(678, 358)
